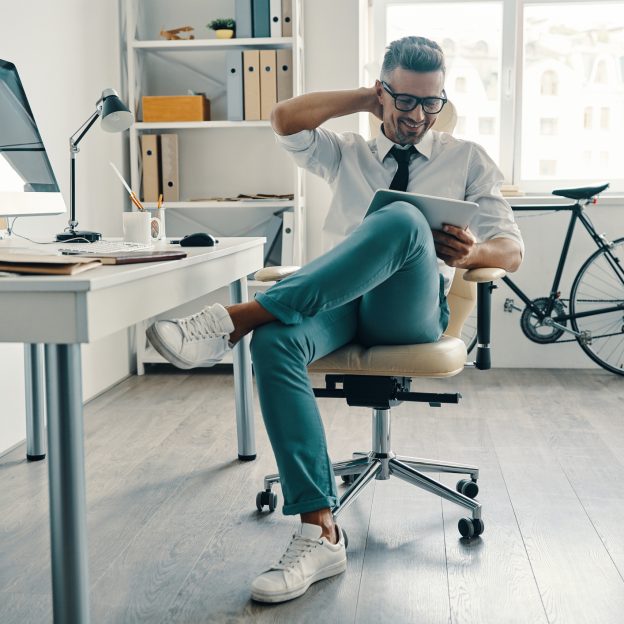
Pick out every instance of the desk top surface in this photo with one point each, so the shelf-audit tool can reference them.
(112, 275)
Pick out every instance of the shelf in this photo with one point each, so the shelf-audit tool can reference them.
(195, 125)
(258, 43)
(247, 205)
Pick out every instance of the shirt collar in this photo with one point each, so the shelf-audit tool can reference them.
(384, 145)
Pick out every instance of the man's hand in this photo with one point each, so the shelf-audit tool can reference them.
(455, 246)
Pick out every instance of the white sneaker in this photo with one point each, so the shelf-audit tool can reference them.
(201, 339)
(308, 558)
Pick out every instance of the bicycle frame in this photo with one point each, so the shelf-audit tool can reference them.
(601, 242)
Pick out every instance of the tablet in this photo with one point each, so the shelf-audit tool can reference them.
(437, 210)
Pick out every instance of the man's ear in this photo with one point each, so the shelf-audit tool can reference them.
(379, 90)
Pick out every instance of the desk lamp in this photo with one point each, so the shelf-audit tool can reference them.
(115, 118)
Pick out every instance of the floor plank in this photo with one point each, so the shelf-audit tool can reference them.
(175, 538)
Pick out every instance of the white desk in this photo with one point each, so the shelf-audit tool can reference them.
(64, 311)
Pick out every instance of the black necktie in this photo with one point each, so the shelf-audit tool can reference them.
(401, 177)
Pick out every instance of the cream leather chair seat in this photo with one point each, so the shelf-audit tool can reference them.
(436, 359)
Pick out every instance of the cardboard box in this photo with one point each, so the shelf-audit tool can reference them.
(175, 108)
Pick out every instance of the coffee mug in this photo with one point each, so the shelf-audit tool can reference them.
(140, 227)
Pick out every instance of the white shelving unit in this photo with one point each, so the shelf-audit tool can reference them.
(155, 66)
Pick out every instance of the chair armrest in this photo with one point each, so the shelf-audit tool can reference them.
(484, 275)
(274, 274)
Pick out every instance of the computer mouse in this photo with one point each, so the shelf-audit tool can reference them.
(198, 239)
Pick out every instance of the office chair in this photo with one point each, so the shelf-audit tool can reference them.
(379, 377)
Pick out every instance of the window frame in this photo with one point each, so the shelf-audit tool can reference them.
(512, 60)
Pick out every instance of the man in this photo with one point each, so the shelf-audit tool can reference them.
(385, 283)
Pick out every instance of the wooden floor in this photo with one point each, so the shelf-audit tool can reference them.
(174, 535)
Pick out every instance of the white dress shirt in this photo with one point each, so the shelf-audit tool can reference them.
(444, 167)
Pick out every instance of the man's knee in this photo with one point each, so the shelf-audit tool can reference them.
(403, 217)
(273, 338)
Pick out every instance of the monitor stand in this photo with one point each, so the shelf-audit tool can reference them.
(80, 235)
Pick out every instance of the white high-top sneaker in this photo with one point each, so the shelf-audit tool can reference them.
(201, 339)
(308, 558)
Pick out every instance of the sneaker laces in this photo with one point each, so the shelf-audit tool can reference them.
(200, 325)
(297, 549)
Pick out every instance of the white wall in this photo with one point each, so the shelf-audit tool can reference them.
(66, 52)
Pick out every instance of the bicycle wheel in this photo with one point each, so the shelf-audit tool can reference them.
(469, 331)
(600, 284)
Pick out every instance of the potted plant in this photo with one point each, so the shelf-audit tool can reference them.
(224, 27)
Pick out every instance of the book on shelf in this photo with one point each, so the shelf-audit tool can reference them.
(33, 262)
(160, 167)
(234, 80)
(287, 18)
(244, 20)
(251, 84)
(268, 83)
(284, 74)
(275, 17)
(261, 18)
(149, 159)
(169, 167)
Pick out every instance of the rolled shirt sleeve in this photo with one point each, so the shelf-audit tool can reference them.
(318, 151)
(495, 218)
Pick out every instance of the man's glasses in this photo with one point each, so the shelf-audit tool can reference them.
(405, 102)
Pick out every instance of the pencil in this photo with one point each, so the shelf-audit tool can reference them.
(160, 201)
(133, 198)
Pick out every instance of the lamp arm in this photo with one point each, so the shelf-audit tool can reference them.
(73, 142)
(73, 150)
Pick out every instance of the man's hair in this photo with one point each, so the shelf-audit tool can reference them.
(417, 54)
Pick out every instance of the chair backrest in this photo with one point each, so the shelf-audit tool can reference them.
(462, 299)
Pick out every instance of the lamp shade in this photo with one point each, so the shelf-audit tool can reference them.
(115, 114)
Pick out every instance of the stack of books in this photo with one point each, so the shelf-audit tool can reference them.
(256, 80)
(263, 18)
(160, 167)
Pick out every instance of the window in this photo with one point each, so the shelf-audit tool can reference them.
(574, 44)
(538, 108)
(549, 83)
(548, 126)
(547, 168)
(486, 125)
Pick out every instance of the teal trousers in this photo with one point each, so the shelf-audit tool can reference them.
(380, 286)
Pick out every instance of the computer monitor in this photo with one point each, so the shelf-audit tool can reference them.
(27, 182)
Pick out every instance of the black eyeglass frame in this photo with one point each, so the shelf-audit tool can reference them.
(419, 101)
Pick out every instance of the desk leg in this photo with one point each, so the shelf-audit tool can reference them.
(243, 383)
(35, 401)
(66, 478)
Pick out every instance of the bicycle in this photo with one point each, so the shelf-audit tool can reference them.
(595, 309)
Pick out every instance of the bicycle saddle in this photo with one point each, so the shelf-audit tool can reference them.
(584, 192)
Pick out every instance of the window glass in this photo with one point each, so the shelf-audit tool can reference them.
(573, 74)
(473, 59)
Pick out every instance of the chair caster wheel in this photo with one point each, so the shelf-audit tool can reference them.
(348, 479)
(467, 488)
(266, 497)
(471, 527)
